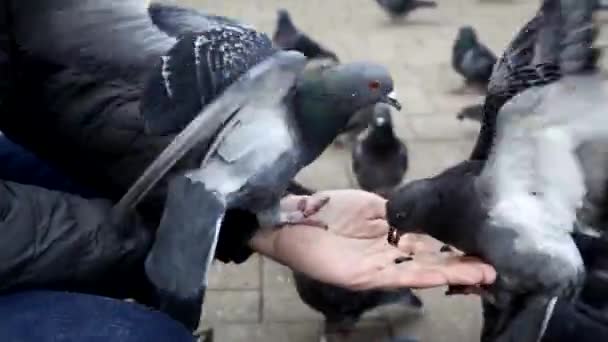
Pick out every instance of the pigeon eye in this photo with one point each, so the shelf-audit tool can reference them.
(374, 85)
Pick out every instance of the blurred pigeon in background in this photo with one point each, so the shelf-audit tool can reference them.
(343, 308)
(514, 204)
(379, 158)
(288, 37)
(401, 8)
(471, 59)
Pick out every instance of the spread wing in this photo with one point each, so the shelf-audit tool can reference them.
(544, 49)
(187, 236)
(176, 21)
(535, 130)
(115, 37)
(277, 72)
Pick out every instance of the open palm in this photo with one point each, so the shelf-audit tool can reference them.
(354, 251)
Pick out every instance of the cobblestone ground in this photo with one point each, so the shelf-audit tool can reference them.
(257, 301)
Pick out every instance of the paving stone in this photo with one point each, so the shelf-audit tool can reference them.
(440, 127)
(440, 324)
(365, 331)
(242, 306)
(273, 332)
(245, 276)
(429, 157)
(281, 300)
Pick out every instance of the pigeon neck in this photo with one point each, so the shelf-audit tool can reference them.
(319, 125)
(381, 138)
(457, 213)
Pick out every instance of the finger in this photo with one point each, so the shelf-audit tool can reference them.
(376, 208)
(419, 243)
(430, 272)
(368, 229)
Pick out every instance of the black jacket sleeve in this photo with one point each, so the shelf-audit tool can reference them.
(239, 227)
(51, 239)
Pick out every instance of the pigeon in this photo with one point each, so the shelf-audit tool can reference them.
(471, 59)
(343, 308)
(255, 153)
(401, 8)
(473, 112)
(250, 112)
(288, 37)
(514, 202)
(379, 159)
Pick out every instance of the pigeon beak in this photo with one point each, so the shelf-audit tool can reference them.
(391, 99)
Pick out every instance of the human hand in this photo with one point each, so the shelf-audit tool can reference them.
(354, 252)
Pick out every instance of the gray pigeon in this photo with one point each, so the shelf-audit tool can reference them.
(471, 59)
(288, 37)
(343, 308)
(257, 115)
(257, 150)
(401, 8)
(514, 204)
(379, 159)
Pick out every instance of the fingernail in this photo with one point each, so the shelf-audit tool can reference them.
(403, 259)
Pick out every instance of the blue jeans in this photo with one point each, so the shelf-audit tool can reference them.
(40, 316)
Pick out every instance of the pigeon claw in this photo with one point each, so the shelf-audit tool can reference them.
(311, 205)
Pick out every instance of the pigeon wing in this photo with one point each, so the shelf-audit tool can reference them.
(176, 20)
(187, 237)
(86, 35)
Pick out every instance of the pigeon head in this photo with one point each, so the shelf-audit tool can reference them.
(466, 37)
(327, 97)
(410, 206)
(350, 87)
(380, 135)
(447, 206)
(382, 118)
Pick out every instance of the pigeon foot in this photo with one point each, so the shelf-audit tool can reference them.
(307, 207)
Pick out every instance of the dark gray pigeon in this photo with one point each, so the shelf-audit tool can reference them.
(471, 59)
(257, 114)
(473, 112)
(343, 308)
(514, 204)
(288, 37)
(379, 158)
(401, 8)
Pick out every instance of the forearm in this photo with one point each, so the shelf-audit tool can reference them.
(58, 240)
